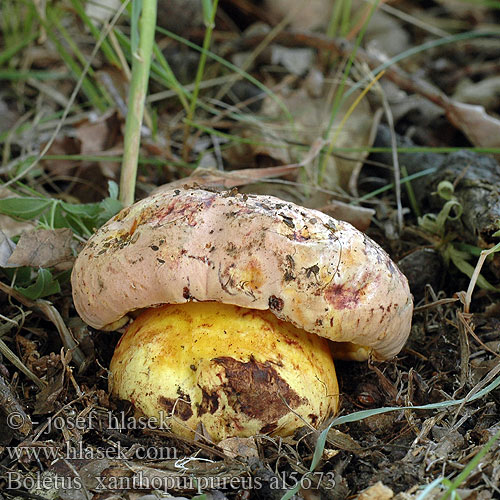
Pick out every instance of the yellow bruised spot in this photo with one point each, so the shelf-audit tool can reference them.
(237, 371)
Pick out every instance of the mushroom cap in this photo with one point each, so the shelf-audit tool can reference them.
(237, 371)
(259, 252)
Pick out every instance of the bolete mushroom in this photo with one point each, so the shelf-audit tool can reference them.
(237, 297)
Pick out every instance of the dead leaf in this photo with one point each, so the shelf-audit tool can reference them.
(7, 246)
(295, 60)
(112, 79)
(378, 491)
(239, 447)
(311, 117)
(101, 11)
(47, 397)
(102, 136)
(484, 93)
(93, 136)
(44, 248)
(342, 441)
(310, 15)
(269, 149)
(63, 147)
(481, 129)
(385, 35)
(359, 217)
(210, 178)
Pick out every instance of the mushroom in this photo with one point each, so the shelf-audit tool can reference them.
(235, 298)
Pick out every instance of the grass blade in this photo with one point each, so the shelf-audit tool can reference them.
(137, 95)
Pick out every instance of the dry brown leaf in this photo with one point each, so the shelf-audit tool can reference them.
(93, 136)
(484, 93)
(47, 397)
(384, 34)
(101, 11)
(210, 178)
(309, 15)
(102, 137)
(117, 86)
(296, 61)
(63, 146)
(311, 120)
(481, 129)
(270, 148)
(378, 491)
(359, 217)
(239, 447)
(7, 246)
(311, 115)
(342, 441)
(44, 248)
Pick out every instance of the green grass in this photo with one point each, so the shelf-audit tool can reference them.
(143, 30)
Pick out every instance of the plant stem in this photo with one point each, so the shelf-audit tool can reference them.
(141, 62)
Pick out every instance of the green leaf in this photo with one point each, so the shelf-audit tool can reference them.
(208, 9)
(465, 247)
(113, 190)
(44, 285)
(436, 224)
(134, 18)
(21, 275)
(88, 210)
(24, 208)
(458, 258)
(109, 208)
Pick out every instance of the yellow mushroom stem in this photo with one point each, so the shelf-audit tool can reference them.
(224, 369)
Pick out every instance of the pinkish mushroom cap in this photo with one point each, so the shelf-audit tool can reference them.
(259, 252)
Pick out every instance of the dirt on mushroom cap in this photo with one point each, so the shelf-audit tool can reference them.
(260, 252)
